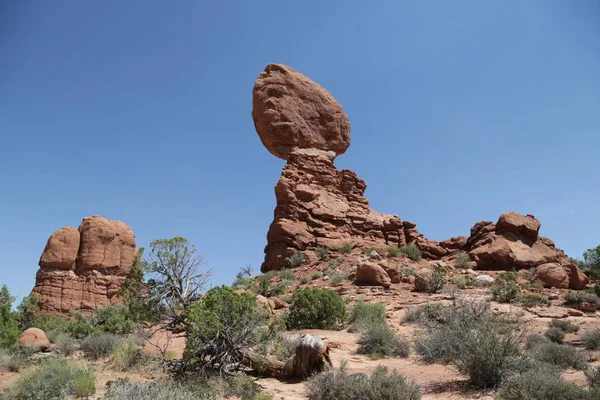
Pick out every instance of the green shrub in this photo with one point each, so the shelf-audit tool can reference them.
(435, 281)
(431, 312)
(364, 315)
(591, 339)
(51, 323)
(338, 278)
(534, 340)
(393, 251)
(555, 335)
(296, 259)
(245, 388)
(316, 309)
(593, 377)
(541, 383)
(322, 253)
(286, 275)
(505, 290)
(472, 339)
(99, 346)
(333, 263)
(575, 299)
(126, 356)
(66, 346)
(286, 348)
(160, 390)
(411, 251)
(84, 384)
(380, 385)
(462, 259)
(564, 325)
(380, 341)
(346, 248)
(53, 379)
(14, 363)
(460, 281)
(264, 285)
(315, 275)
(304, 280)
(9, 323)
(561, 355)
(221, 327)
(533, 299)
(243, 279)
(114, 319)
(369, 250)
(80, 325)
(408, 271)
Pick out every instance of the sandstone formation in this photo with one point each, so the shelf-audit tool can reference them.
(552, 275)
(82, 269)
(34, 338)
(370, 273)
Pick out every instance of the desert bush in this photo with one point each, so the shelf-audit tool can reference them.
(304, 280)
(53, 379)
(296, 259)
(66, 346)
(462, 259)
(505, 290)
(159, 390)
(286, 347)
(338, 278)
(591, 339)
(51, 324)
(593, 377)
(533, 299)
(411, 251)
(316, 309)
(263, 284)
(393, 251)
(408, 271)
(126, 356)
(80, 325)
(286, 275)
(364, 315)
(53, 336)
(460, 281)
(470, 337)
(114, 319)
(435, 281)
(564, 325)
(84, 384)
(9, 323)
(244, 387)
(315, 275)
(14, 362)
(534, 340)
(99, 346)
(541, 383)
(221, 327)
(243, 279)
(575, 299)
(380, 385)
(346, 248)
(322, 253)
(555, 335)
(379, 340)
(431, 312)
(560, 355)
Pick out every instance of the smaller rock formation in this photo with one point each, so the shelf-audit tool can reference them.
(369, 273)
(552, 275)
(83, 269)
(34, 338)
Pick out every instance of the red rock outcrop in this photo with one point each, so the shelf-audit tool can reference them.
(34, 338)
(82, 269)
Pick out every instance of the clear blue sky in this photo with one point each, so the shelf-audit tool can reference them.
(139, 110)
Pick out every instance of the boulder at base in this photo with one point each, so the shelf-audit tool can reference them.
(34, 338)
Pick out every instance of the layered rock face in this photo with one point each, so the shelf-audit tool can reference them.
(82, 269)
(317, 204)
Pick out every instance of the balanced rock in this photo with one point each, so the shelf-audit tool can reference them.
(291, 111)
(34, 338)
(83, 269)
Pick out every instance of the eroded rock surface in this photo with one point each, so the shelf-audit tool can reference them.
(83, 269)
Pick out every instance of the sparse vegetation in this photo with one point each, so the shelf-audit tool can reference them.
(99, 346)
(591, 339)
(555, 335)
(460, 281)
(364, 315)
(533, 299)
(462, 259)
(560, 355)
(539, 383)
(160, 390)
(346, 248)
(576, 299)
(380, 385)
(286, 275)
(393, 251)
(316, 309)
(53, 379)
(411, 251)
(338, 278)
(322, 253)
(315, 275)
(564, 325)
(469, 337)
(66, 346)
(126, 356)
(408, 271)
(432, 312)
(296, 259)
(304, 280)
(434, 281)
(379, 340)
(505, 288)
